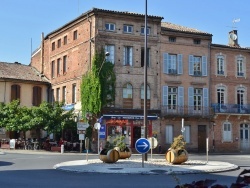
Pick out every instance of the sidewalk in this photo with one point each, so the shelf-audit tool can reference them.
(134, 165)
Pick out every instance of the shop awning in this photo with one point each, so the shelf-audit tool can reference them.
(132, 117)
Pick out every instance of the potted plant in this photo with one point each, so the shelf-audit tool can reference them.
(109, 154)
(120, 146)
(176, 153)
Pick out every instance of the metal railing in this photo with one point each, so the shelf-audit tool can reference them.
(231, 108)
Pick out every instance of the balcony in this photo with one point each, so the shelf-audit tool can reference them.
(186, 111)
(231, 108)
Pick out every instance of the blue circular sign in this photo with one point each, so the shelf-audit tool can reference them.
(142, 145)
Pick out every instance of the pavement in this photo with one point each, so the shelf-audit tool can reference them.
(134, 165)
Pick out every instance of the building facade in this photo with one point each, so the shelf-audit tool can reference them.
(23, 83)
(182, 85)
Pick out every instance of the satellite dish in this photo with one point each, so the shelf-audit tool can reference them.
(233, 36)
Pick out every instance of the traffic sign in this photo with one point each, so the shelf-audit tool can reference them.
(82, 126)
(81, 131)
(142, 145)
(153, 142)
(81, 136)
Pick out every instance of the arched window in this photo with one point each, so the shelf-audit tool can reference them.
(241, 96)
(37, 96)
(142, 96)
(15, 92)
(227, 132)
(127, 95)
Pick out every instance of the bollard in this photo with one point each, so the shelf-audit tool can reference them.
(62, 148)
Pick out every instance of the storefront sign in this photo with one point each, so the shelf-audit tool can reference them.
(102, 132)
(128, 117)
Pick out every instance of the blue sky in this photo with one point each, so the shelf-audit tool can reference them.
(23, 21)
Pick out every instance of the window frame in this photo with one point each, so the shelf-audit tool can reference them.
(75, 35)
(127, 28)
(64, 64)
(111, 49)
(53, 46)
(143, 55)
(143, 30)
(65, 40)
(220, 66)
(59, 43)
(108, 27)
(74, 93)
(128, 56)
(58, 66)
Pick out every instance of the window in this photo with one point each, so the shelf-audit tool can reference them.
(169, 134)
(127, 95)
(240, 99)
(127, 53)
(75, 35)
(220, 65)
(187, 133)
(172, 63)
(64, 94)
(58, 66)
(37, 96)
(53, 46)
(240, 69)
(57, 94)
(52, 69)
(74, 93)
(64, 64)
(143, 30)
(65, 40)
(198, 100)
(227, 132)
(111, 50)
(172, 98)
(127, 28)
(52, 99)
(142, 97)
(172, 39)
(221, 98)
(197, 41)
(15, 92)
(110, 27)
(143, 57)
(59, 43)
(197, 65)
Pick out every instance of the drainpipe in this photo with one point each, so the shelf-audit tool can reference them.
(90, 41)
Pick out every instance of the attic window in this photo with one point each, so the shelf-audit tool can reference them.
(197, 41)
(172, 39)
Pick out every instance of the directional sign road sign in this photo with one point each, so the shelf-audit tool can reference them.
(142, 145)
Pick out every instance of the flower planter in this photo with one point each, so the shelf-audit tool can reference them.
(124, 154)
(109, 156)
(177, 156)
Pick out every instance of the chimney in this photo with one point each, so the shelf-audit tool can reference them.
(233, 39)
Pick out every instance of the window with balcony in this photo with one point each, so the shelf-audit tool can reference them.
(220, 65)
(227, 132)
(111, 50)
(127, 95)
(142, 97)
(221, 99)
(197, 65)
(110, 27)
(143, 57)
(198, 100)
(15, 92)
(172, 63)
(241, 97)
(172, 98)
(127, 28)
(128, 56)
(37, 96)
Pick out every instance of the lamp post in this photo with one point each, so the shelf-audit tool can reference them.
(106, 55)
(98, 126)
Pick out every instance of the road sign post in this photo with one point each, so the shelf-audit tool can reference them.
(142, 145)
(153, 144)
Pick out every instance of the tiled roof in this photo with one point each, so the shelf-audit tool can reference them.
(18, 71)
(232, 47)
(175, 27)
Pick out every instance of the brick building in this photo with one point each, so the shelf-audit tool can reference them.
(182, 86)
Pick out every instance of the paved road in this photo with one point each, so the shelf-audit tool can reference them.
(36, 170)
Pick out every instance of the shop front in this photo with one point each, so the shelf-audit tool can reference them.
(130, 126)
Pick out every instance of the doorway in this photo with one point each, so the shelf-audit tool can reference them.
(202, 134)
(136, 134)
(244, 137)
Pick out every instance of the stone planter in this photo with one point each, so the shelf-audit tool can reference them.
(124, 154)
(109, 156)
(177, 156)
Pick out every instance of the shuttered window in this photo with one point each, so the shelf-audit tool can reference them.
(37, 96)
(15, 92)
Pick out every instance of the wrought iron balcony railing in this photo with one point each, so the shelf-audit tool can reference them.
(176, 110)
(231, 108)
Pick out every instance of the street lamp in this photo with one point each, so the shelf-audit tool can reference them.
(106, 55)
(98, 126)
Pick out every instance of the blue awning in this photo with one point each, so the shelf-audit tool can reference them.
(132, 117)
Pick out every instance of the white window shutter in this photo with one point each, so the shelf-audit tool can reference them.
(191, 65)
(204, 65)
(165, 96)
(165, 63)
(179, 63)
